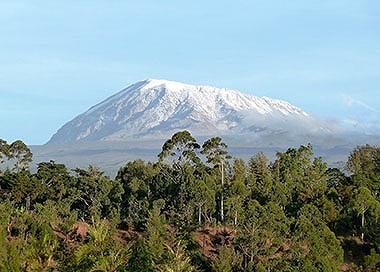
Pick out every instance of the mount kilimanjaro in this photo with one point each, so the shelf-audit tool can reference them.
(135, 122)
(155, 109)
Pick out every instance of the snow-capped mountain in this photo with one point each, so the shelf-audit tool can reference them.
(158, 108)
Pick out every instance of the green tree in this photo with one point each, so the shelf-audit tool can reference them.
(139, 170)
(178, 258)
(17, 153)
(25, 188)
(55, 180)
(215, 151)
(137, 179)
(178, 171)
(318, 249)
(21, 153)
(227, 260)
(156, 232)
(181, 148)
(141, 258)
(203, 198)
(260, 181)
(249, 239)
(372, 261)
(103, 252)
(184, 197)
(43, 246)
(4, 150)
(237, 190)
(96, 195)
(12, 251)
(364, 163)
(303, 176)
(362, 202)
(262, 234)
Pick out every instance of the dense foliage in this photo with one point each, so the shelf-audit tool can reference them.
(195, 209)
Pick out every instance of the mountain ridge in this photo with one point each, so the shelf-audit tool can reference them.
(156, 108)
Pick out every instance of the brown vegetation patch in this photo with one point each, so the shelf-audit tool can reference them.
(210, 239)
(80, 228)
(354, 251)
(76, 234)
(128, 235)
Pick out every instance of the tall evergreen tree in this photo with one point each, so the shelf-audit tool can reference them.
(215, 151)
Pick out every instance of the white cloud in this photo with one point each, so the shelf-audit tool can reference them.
(349, 100)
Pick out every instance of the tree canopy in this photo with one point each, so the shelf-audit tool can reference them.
(194, 209)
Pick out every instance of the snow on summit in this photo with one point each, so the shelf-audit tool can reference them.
(156, 108)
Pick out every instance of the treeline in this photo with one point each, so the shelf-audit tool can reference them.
(195, 209)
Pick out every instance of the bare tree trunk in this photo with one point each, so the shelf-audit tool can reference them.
(222, 196)
(27, 203)
(363, 221)
(199, 214)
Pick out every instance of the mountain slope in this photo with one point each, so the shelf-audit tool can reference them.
(157, 108)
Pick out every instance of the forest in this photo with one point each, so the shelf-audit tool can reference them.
(195, 208)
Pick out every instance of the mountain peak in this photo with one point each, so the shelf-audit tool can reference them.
(151, 83)
(155, 108)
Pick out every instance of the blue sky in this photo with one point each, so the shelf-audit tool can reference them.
(58, 58)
